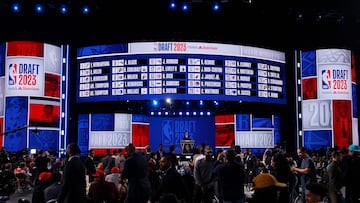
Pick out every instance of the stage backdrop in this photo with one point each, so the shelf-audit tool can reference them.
(329, 110)
(100, 131)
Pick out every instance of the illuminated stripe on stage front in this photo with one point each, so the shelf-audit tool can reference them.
(106, 139)
(254, 139)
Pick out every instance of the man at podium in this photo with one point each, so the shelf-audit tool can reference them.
(187, 144)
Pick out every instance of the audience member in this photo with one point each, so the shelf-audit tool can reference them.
(266, 188)
(102, 191)
(114, 176)
(351, 164)
(74, 183)
(90, 165)
(52, 192)
(172, 187)
(8, 181)
(135, 171)
(204, 189)
(160, 152)
(41, 163)
(306, 171)
(315, 193)
(282, 172)
(107, 162)
(231, 176)
(335, 178)
(43, 182)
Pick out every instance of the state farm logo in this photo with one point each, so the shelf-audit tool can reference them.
(326, 79)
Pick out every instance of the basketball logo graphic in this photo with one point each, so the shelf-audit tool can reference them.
(12, 74)
(326, 79)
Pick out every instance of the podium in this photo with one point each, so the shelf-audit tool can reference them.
(187, 146)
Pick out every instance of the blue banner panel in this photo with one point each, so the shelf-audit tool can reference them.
(102, 49)
(354, 102)
(83, 133)
(308, 63)
(44, 139)
(170, 130)
(277, 140)
(258, 122)
(242, 122)
(16, 117)
(316, 139)
(102, 122)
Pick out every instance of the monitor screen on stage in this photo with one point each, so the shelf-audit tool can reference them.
(182, 70)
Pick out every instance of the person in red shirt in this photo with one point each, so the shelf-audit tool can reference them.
(102, 191)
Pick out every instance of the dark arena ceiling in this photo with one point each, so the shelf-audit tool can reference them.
(278, 24)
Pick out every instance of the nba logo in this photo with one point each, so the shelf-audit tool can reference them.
(326, 76)
(12, 74)
(156, 46)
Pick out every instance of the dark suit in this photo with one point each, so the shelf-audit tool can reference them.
(90, 167)
(135, 170)
(74, 188)
(172, 183)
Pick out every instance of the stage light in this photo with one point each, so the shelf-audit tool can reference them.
(166, 113)
(187, 103)
(168, 100)
(187, 113)
(185, 7)
(180, 113)
(159, 113)
(15, 7)
(39, 8)
(201, 113)
(85, 9)
(216, 6)
(155, 102)
(208, 113)
(194, 113)
(63, 9)
(201, 102)
(172, 5)
(152, 113)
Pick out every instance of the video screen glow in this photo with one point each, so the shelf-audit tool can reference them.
(182, 70)
(329, 110)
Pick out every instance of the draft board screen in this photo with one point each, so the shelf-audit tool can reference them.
(182, 70)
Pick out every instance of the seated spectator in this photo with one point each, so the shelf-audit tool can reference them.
(22, 172)
(8, 182)
(266, 188)
(122, 189)
(114, 176)
(101, 191)
(43, 182)
(53, 191)
(315, 193)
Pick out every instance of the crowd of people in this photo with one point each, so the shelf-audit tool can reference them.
(144, 175)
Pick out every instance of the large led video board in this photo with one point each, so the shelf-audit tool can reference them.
(182, 70)
(30, 86)
(329, 99)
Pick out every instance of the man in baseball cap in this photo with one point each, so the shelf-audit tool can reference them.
(266, 188)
